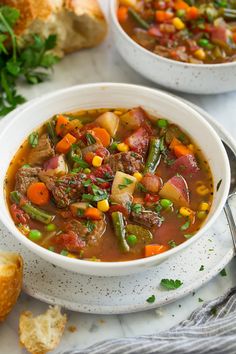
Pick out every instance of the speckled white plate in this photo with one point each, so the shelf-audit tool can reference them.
(116, 295)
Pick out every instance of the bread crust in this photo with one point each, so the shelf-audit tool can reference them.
(11, 273)
(81, 22)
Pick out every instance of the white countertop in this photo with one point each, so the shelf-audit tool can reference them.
(105, 64)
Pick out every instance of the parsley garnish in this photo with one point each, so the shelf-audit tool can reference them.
(188, 236)
(90, 225)
(185, 226)
(34, 139)
(126, 182)
(90, 139)
(172, 243)
(201, 268)
(136, 208)
(200, 300)
(141, 187)
(98, 194)
(213, 311)
(171, 284)
(151, 299)
(218, 185)
(80, 162)
(20, 61)
(223, 273)
(87, 182)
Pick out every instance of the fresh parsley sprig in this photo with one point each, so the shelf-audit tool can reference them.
(21, 59)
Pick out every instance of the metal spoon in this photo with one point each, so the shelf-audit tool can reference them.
(232, 192)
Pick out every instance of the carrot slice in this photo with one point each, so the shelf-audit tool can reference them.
(102, 135)
(38, 193)
(122, 13)
(62, 125)
(181, 5)
(93, 213)
(192, 13)
(152, 250)
(162, 16)
(174, 142)
(179, 148)
(63, 146)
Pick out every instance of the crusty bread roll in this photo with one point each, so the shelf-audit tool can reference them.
(43, 333)
(77, 23)
(11, 271)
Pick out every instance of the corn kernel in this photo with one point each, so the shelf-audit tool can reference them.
(118, 113)
(123, 147)
(201, 215)
(204, 206)
(138, 176)
(200, 54)
(185, 211)
(178, 23)
(103, 205)
(202, 190)
(97, 161)
(71, 255)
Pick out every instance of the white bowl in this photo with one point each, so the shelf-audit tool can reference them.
(111, 95)
(190, 78)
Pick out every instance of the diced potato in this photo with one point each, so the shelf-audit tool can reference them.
(123, 199)
(56, 165)
(78, 209)
(132, 3)
(134, 118)
(176, 190)
(109, 121)
(123, 184)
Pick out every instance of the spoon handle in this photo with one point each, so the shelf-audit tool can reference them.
(231, 222)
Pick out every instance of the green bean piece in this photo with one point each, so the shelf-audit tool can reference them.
(153, 156)
(34, 212)
(73, 153)
(51, 132)
(138, 19)
(119, 227)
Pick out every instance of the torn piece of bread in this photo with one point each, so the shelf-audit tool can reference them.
(77, 23)
(42, 333)
(11, 273)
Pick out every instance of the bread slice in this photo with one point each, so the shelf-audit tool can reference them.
(77, 23)
(11, 271)
(42, 334)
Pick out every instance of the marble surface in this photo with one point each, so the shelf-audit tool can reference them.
(105, 64)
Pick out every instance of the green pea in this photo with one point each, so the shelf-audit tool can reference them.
(180, 13)
(166, 203)
(64, 253)
(162, 123)
(87, 170)
(35, 235)
(113, 145)
(203, 42)
(50, 227)
(201, 215)
(132, 240)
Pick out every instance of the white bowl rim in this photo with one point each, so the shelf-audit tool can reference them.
(132, 263)
(153, 55)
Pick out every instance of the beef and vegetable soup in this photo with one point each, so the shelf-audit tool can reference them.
(109, 185)
(191, 31)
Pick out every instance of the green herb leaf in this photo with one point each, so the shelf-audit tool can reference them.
(33, 139)
(90, 139)
(80, 162)
(136, 208)
(188, 236)
(172, 243)
(185, 226)
(90, 225)
(151, 299)
(201, 268)
(141, 187)
(126, 182)
(223, 273)
(87, 182)
(200, 300)
(171, 284)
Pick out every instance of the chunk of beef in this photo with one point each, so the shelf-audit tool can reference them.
(42, 151)
(128, 162)
(147, 218)
(25, 176)
(79, 234)
(65, 189)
